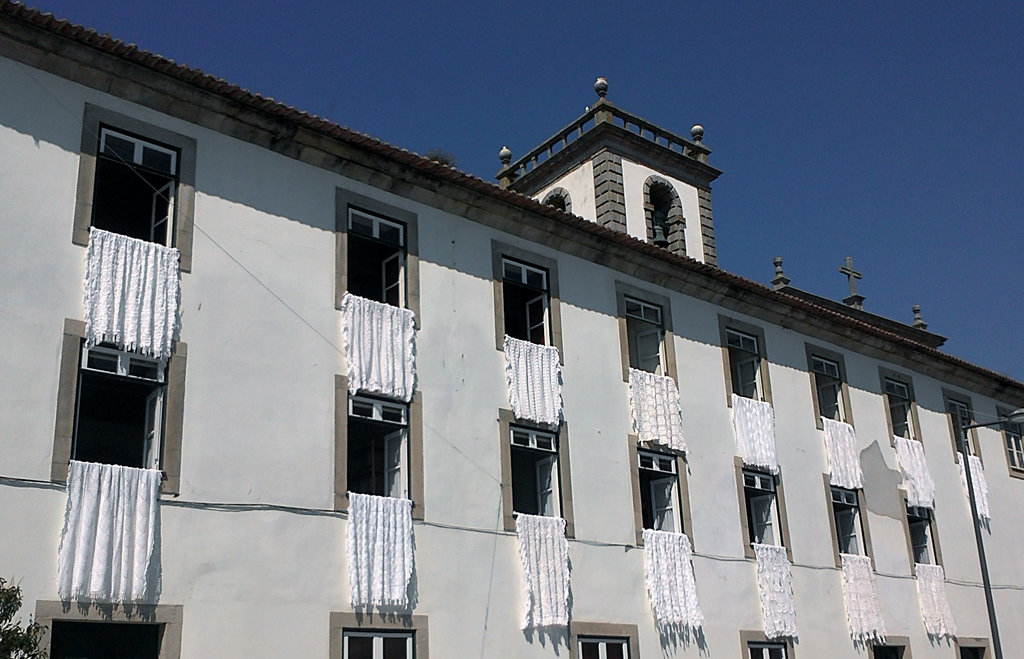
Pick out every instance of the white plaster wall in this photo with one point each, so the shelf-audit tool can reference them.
(264, 349)
(580, 185)
(633, 177)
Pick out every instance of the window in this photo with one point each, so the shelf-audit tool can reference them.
(378, 453)
(645, 334)
(898, 400)
(961, 415)
(559, 198)
(762, 508)
(846, 514)
(766, 650)
(72, 640)
(828, 388)
(919, 526)
(535, 475)
(602, 648)
(601, 640)
(377, 645)
(659, 491)
(1012, 437)
(663, 213)
(525, 297)
(887, 652)
(376, 258)
(972, 653)
(744, 364)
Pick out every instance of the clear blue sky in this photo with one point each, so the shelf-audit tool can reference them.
(889, 132)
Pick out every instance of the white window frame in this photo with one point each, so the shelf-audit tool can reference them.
(643, 320)
(766, 649)
(396, 474)
(898, 393)
(743, 348)
(124, 360)
(524, 271)
(378, 642)
(543, 442)
(138, 146)
(1014, 437)
(966, 414)
(828, 369)
(535, 318)
(754, 482)
(168, 190)
(661, 463)
(846, 506)
(376, 222)
(602, 645)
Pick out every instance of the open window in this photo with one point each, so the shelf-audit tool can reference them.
(645, 333)
(761, 505)
(828, 388)
(73, 640)
(744, 364)
(887, 652)
(377, 645)
(922, 543)
(603, 648)
(961, 415)
(378, 447)
(535, 472)
(765, 650)
(525, 301)
(847, 518)
(899, 402)
(659, 491)
(376, 258)
(1012, 439)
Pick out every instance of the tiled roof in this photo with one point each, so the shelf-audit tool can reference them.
(218, 86)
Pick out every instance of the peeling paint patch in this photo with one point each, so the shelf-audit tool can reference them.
(880, 483)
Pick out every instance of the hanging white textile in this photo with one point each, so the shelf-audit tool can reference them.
(862, 611)
(931, 592)
(132, 292)
(920, 486)
(754, 426)
(534, 378)
(654, 401)
(843, 459)
(380, 345)
(775, 586)
(379, 550)
(979, 482)
(668, 560)
(109, 537)
(544, 554)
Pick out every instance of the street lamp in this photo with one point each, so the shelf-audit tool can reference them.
(1016, 416)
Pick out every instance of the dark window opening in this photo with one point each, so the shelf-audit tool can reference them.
(661, 207)
(377, 448)
(766, 650)
(887, 652)
(744, 364)
(972, 653)
(557, 201)
(376, 259)
(604, 649)
(762, 510)
(962, 416)
(659, 492)
(919, 521)
(101, 640)
(535, 477)
(380, 645)
(846, 510)
(525, 296)
(898, 398)
(645, 333)
(828, 387)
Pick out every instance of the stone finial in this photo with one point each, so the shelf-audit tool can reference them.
(697, 133)
(918, 321)
(780, 280)
(505, 155)
(601, 87)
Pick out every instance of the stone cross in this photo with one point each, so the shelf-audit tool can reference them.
(854, 300)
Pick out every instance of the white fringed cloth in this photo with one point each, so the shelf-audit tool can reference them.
(132, 293)
(920, 486)
(843, 459)
(380, 345)
(544, 554)
(862, 611)
(379, 548)
(775, 585)
(110, 532)
(979, 482)
(668, 559)
(754, 426)
(931, 592)
(534, 381)
(654, 400)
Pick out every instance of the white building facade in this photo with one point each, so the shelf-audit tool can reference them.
(253, 419)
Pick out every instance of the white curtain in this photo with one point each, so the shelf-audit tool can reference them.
(544, 554)
(668, 559)
(380, 344)
(920, 486)
(110, 531)
(931, 592)
(132, 293)
(534, 378)
(754, 427)
(862, 611)
(843, 458)
(979, 482)
(654, 401)
(379, 548)
(775, 586)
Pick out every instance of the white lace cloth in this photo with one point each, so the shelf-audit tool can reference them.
(862, 611)
(754, 426)
(843, 459)
(534, 381)
(920, 486)
(544, 554)
(668, 560)
(931, 592)
(775, 586)
(380, 344)
(109, 537)
(379, 548)
(132, 292)
(979, 482)
(654, 401)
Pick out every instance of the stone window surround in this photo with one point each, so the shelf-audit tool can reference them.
(748, 636)
(168, 616)
(899, 642)
(499, 250)
(933, 536)
(682, 486)
(1013, 472)
(415, 447)
(608, 630)
(624, 290)
(559, 192)
(676, 235)
(780, 502)
(727, 323)
(889, 374)
(832, 356)
(972, 439)
(505, 422)
(341, 621)
(972, 642)
(185, 197)
(345, 200)
(67, 399)
(862, 516)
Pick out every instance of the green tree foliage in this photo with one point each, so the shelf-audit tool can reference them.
(17, 642)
